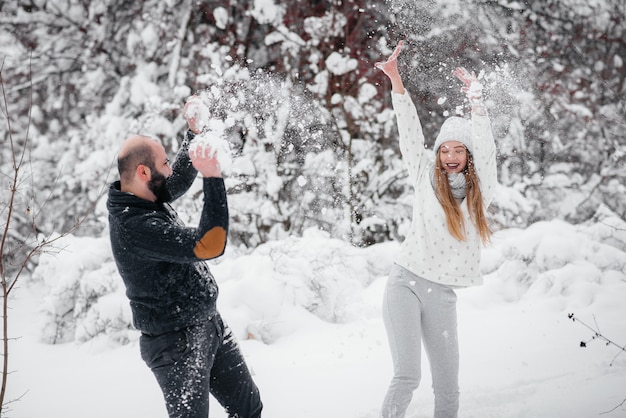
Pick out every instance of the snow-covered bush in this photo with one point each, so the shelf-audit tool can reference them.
(85, 293)
(510, 208)
(268, 292)
(558, 259)
(292, 283)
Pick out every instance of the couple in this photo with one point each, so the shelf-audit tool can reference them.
(172, 292)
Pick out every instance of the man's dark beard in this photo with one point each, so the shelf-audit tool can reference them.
(158, 186)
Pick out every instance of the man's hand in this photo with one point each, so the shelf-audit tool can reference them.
(196, 113)
(204, 159)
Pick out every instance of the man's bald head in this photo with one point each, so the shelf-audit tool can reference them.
(136, 150)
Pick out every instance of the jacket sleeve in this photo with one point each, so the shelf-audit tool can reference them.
(411, 135)
(161, 236)
(214, 220)
(484, 153)
(183, 172)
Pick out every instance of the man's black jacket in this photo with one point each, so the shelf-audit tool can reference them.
(160, 259)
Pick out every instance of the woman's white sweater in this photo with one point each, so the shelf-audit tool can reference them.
(429, 250)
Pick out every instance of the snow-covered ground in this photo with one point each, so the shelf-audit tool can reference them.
(307, 313)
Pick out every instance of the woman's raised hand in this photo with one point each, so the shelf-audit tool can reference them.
(390, 68)
(471, 85)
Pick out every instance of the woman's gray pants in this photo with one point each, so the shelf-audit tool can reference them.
(416, 310)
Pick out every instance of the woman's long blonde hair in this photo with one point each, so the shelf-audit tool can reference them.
(452, 209)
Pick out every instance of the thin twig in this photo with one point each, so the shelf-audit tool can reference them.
(614, 409)
(597, 335)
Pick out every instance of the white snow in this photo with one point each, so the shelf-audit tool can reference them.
(339, 64)
(221, 17)
(266, 11)
(307, 309)
(307, 314)
(197, 109)
(212, 142)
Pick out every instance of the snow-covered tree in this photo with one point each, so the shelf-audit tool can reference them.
(569, 153)
(308, 116)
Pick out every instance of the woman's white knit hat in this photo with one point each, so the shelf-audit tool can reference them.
(455, 128)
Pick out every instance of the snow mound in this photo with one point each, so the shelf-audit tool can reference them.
(287, 286)
(86, 294)
(573, 263)
(298, 285)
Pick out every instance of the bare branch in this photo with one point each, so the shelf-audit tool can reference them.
(11, 217)
(597, 335)
(621, 405)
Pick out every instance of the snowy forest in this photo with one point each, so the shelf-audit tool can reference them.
(307, 113)
(312, 133)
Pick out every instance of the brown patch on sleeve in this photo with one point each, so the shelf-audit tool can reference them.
(211, 244)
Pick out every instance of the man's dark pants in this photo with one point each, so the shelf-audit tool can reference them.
(201, 359)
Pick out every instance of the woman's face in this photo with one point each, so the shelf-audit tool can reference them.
(453, 157)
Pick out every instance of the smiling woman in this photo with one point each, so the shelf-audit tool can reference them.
(453, 141)
(453, 157)
(455, 179)
(441, 252)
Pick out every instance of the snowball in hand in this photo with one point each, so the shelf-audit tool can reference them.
(213, 144)
(199, 111)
